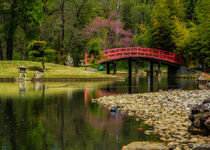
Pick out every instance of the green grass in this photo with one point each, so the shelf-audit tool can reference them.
(9, 69)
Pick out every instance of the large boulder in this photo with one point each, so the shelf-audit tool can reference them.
(145, 146)
(200, 119)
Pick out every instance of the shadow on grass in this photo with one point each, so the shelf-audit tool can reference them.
(36, 68)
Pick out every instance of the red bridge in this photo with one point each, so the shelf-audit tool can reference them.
(138, 52)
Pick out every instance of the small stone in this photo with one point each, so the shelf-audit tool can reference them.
(130, 113)
(177, 148)
(193, 140)
(137, 119)
(171, 144)
(147, 132)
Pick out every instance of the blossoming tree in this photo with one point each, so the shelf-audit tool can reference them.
(110, 31)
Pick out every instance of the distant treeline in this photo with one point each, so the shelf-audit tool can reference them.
(67, 26)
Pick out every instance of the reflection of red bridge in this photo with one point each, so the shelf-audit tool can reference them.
(137, 52)
(100, 93)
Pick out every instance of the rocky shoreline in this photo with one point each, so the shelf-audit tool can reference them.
(167, 111)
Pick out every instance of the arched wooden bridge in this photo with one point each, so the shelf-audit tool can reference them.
(137, 52)
(134, 54)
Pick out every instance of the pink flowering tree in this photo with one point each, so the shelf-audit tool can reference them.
(110, 32)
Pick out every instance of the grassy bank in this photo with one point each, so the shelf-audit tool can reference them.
(9, 69)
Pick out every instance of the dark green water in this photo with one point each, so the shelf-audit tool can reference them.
(61, 116)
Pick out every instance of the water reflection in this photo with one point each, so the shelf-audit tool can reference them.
(22, 87)
(62, 116)
(145, 83)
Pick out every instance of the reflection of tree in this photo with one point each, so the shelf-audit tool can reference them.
(23, 121)
(11, 120)
(53, 121)
(62, 124)
(139, 135)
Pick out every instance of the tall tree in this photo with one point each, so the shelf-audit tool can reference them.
(1, 51)
(25, 15)
(165, 13)
(189, 6)
(127, 16)
(63, 21)
(12, 26)
(196, 48)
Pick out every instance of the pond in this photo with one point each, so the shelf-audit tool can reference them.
(62, 116)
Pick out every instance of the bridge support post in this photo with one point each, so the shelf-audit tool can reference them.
(108, 68)
(151, 76)
(114, 67)
(137, 67)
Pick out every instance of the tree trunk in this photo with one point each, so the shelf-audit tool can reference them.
(11, 30)
(63, 22)
(43, 66)
(1, 51)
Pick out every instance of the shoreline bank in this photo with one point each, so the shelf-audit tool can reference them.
(56, 79)
(168, 112)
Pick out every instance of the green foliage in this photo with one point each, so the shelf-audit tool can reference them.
(61, 56)
(189, 7)
(127, 15)
(165, 14)
(144, 38)
(197, 44)
(38, 51)
(181, 26)
(94, 49)
(16, 56)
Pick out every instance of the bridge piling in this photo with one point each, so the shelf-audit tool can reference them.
(151, 76)
(107, 68)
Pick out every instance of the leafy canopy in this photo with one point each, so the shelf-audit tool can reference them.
(38, 51)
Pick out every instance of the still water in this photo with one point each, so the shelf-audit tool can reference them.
(62, 116)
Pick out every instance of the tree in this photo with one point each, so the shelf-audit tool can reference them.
(12, 25)
(165, 14)
(110, 32)
(38, 51)
(94, 49)
(63, 24)
(23, 17)
(190, 7)
(2, 22)
(1, 51)
(137, 17)
(196, 47)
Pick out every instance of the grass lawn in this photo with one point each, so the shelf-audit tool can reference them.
(9, 69)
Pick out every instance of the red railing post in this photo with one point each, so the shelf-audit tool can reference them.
(86, 63)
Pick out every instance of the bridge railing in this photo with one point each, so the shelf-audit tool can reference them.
(132, 52)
